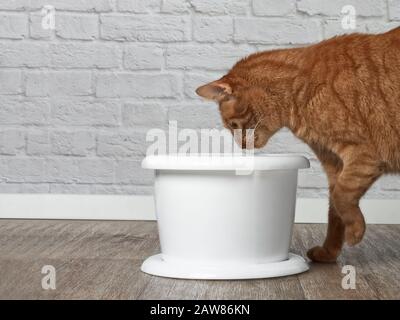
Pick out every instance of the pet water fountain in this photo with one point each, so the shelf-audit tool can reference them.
(225, 217)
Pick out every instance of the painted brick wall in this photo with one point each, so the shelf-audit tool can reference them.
(76, 101)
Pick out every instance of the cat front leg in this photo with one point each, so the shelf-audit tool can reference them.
(333, 243)
(334, 240)
(359, 172)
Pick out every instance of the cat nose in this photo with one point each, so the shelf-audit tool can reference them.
(235, 124)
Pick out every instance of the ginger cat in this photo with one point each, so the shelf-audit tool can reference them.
(342, 98)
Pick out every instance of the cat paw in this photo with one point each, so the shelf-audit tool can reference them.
(354, 233)
(320, 254)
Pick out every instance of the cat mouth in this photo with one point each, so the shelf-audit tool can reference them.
(249, 142)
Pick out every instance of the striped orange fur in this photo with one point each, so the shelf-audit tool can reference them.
(341, 97)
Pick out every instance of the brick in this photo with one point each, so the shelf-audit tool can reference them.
(10, 82)
(81, 5)
(71, 188)
(80, 27)
(18, 111)
(144, 115)
(2, 170)
(23, 170)
(175, 6)
(122, 189)
(285, 142)
(376, 193)
(195, 115)
(364, 8)
(85, 112)
(12, 142)
(143, 57)
(222, 7)
(8, 187)
(284, 31)
(209, 57)
(273, 8)
(15, 5)
(380, 26)
(269, 47)
(394, 9)
(389, 182)
(36, 29)
(76, 143)
(145, 28)
(139, 6)
(194, 80)
(22, 54)
(3, 166)
(60, 83)
(314, 177)
(13, 26)
(312, 180)
(123, 144)
(84, 55)
(95, 170)
(382, 194)
(131, 172)
(34, 188)
(211, 29)
(38, 143)
(24, 188)
(63, 170)
(137, 85)
(80, 170)
(76, 5)
(334, 27)
(312, 193)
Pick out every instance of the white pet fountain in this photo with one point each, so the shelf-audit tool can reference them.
(225, 217)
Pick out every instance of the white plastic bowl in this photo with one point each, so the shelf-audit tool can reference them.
(218, 219)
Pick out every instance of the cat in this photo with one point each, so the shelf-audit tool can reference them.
(341, 97)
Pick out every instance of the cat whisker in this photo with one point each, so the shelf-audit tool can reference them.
(255, 127)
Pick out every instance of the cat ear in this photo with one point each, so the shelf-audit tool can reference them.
(214, 91)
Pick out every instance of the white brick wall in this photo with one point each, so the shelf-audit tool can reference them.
(76, 101)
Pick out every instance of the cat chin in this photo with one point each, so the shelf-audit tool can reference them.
(260, 143)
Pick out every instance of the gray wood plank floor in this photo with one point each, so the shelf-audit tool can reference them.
(101, 260)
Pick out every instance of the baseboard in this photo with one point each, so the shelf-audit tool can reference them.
(124, 207)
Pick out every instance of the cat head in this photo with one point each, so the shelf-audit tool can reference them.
(242, 107)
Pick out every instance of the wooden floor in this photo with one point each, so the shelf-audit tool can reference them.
(101, 260)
